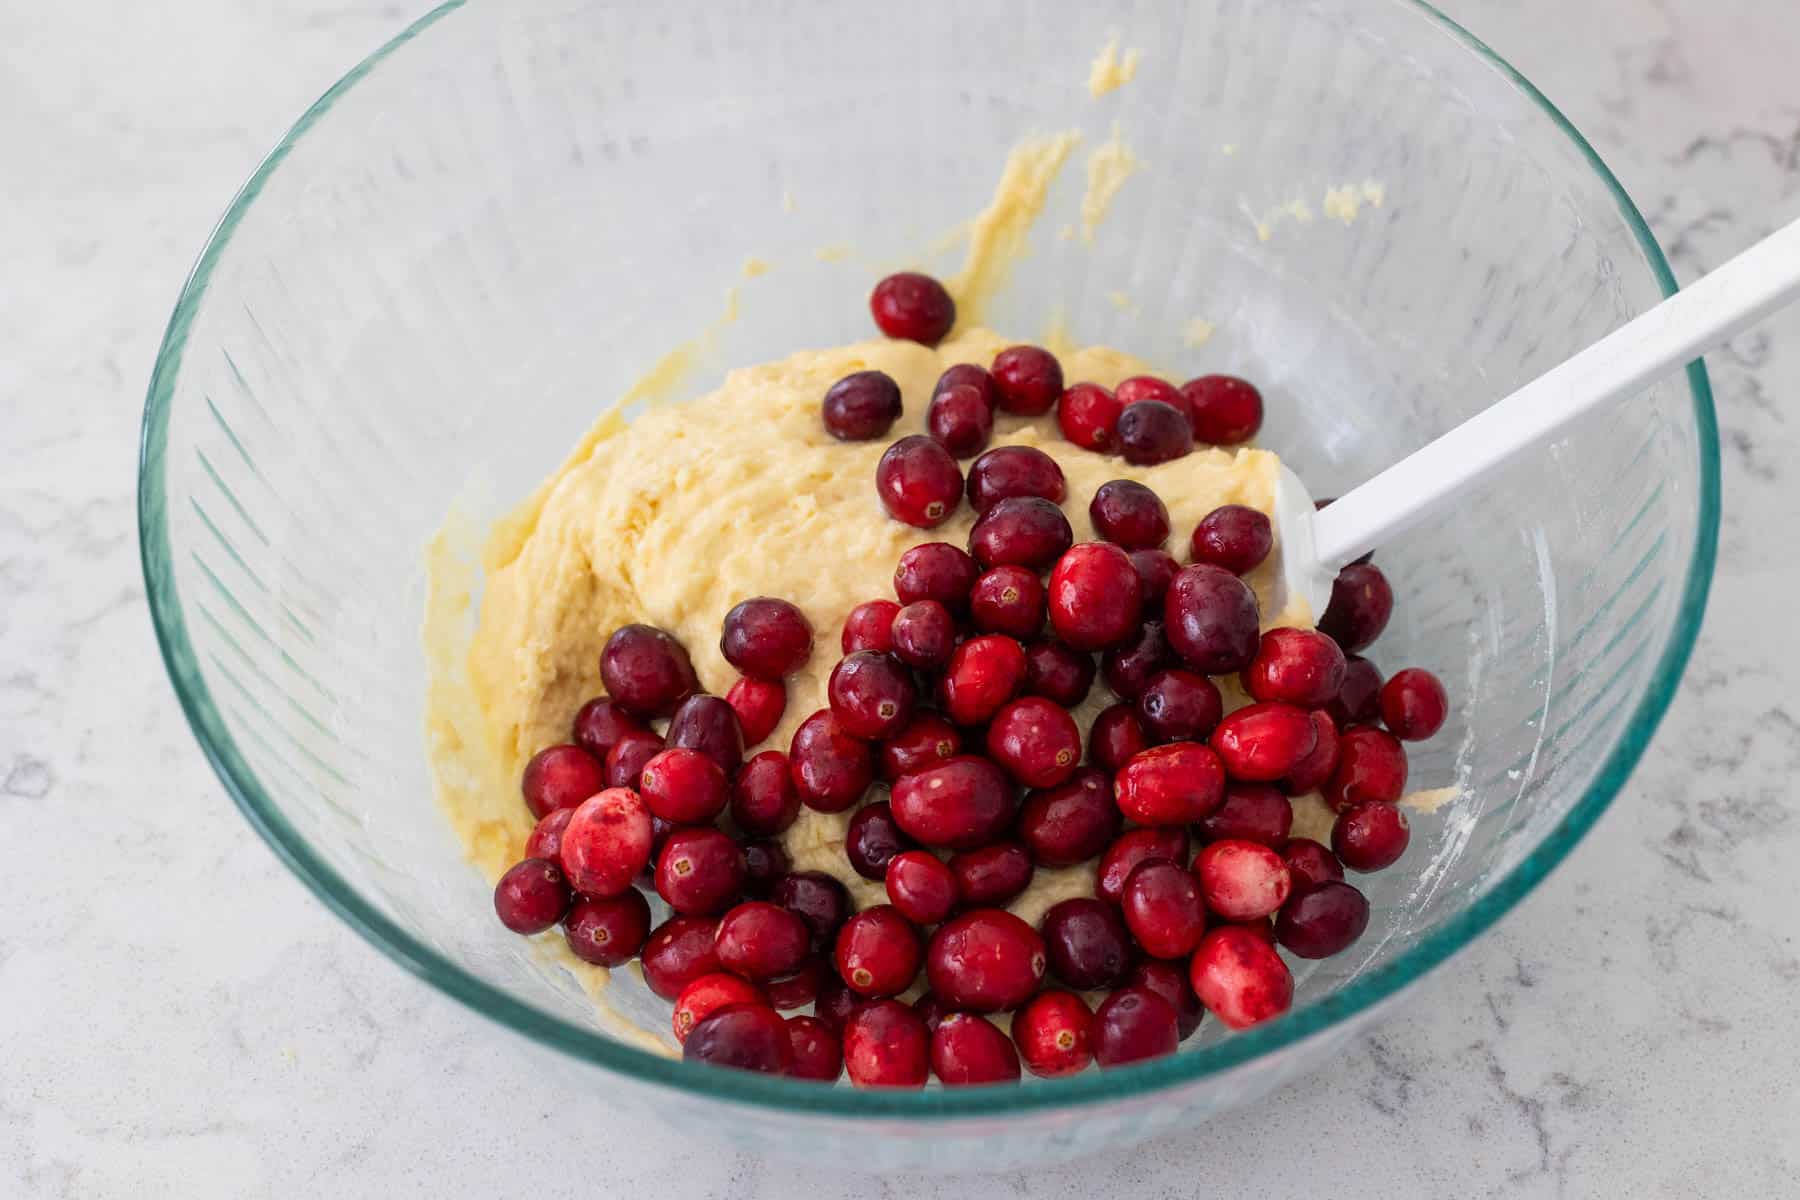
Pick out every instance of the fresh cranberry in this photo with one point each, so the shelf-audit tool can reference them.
(870, 625)
(878, 952)
(798, 989)
(600, 724)
(817, 1052)
(1006, 472)
(608, 932)
(986, 960)
(1252, 812)
(1176, 784)
(1024, 531)
(659, 833)
(960, 420)
(1071, 822)
(831, 767)
(817, 899)
(746, 1037)
(886, 1045)
(706, 995)
(836, 1001)
(684, 786)
(984, 673)
(1322, 920)
(958, 805)
(759, 704)
(1178, 705)
(1314, 770)
(873, 838)
(1170, 981)
(935, 571)
(1152, 432)
(1030, 380)
(861, 407)
(765, 861)
(912, 307)
(761, 941)
(1037, 741)
(1233, 537)
(1413, 704)
(1128, 514)
(918, 482)
(1225, 409)
(1135, 846)
(967, 1050)
(921, 886)
(646, 671)
(924, 635)
(1300, 666)
(928, 741)
(1087, 942)
(1310, 863)
(1088, 415)
(1262, 742)
(625, 761)
(679, 951)
(1140, 388)
(1358, 701)
(1116, 737)
(709, 725)
(872, 694)
(546, 836)
(931, 1010)
(766, 638)
(1129, 666)
(560, 777)
(1094, 596)
(1361, 603)
(1058, 673)
(1240, 978)
(1134, 1024)
(1370, 835)
(700, 871)
(1242, 881)
(763, 801)
(1009, 600)
(1371, 766)
(1163, 909)
(1156, 569)
(1054, 1034)
(532, 896)
(606, 843)
(969, 375)
(993, 875)
(1210, 619)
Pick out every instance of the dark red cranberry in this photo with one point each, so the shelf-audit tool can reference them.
(608, 932)
(912, 307)
(1262, 742)
(759, 704)
(679, 951)
(861, 407)
(1152, 432)
(1117, 735)
(967, 1050)
(1413, 704)
(761, 941)
(1029, 378)
(817, 899)
(991, 876)
(935, 571)
(928, 741)
(763, 800)
(1313, 771)
(958, 805)
(1009, 471)
(1170, 981)
(1178, 705)
(931, 1010)
(546, 836)
(1089, 416)
(646, 672)
(765, 861)
(1361, 603)
(659, 833)
(532, 896)
(984, 673)
(1058, 673)
(831, 767)
(766, 637)
(1322, 920)
(1358, 701)
(746, 1037)
(1071, 822)
(985, 961)
(873, 838)
(1134, 1024)
(1176, 784)
(799, 989)
(1240, 978)
(878, 952)
(924, 635)
(1087, 942)
(918, 482)
(1233, 537)
(600, 724)
(1370, 835)
(1371, 766)
(1129, 514)
(1163, 909)
(684, 786)
(1009, 600)
(1252, 812)
(836, 1001)
(1094, 596)
(1155, 569)
(817, 1052)
(1300, 666)
(1210, 619)
(1022, 530)
(921, 886)
(870, 625)
(1310, 863)
(1225, 409)
(1054, 1034)
(1133, 847)
(969, 375)
(625, 761)
(1129, 666)
(1242, 881)
(560, 777)
(872, 694)
(700, 871)
(886, 1045)
(606, 843)
(960, 420)
(1037, 741)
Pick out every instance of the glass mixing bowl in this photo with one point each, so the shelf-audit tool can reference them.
(493, 225)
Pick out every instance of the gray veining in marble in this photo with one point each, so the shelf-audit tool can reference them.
(179, 1018)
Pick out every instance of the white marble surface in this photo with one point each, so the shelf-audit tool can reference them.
(179, 1018)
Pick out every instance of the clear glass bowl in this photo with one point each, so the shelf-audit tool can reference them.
(501, 218)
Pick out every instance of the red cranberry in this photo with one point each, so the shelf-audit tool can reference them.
(1089, 416)
(1037, 742)
(560, 777)
(967, 1050)
(1225, 410)
(1087, 943)
(985, 961)
(1178, 705)
(1170, 981)
(684, 786)
(1358, 701)
(1370, 835)
(1134, 1024)
(928, 741)
(798, 989)
(606, 843)
(836, 1001)
(1314, 770)
(532, 896)
(870, 625)
(1233, 537)
(625, 761)
(1371, 766)
(1176, 784)
(969, 375)
(600, 724)
(1054, 1034)
(766, 638)
(1058, 673)
(984, 673)
(1117, 735)
(817, 899)
(931, 1010)
(608, 932)
(1163, 909)
(1155, 569)
(679, 951)
(1240, 978)
(1300, 666)
(817, 1052)
(1242, 881)
(872, 694)
(921, 886)
(1022, 530)
(706, 995)
(1322, 920)
(924, 635)
(1133, 847)
(1129, 514)
(935, 571)
(993, 875)
(1152, 432)
(1071, 822)
(1210, 619)
(747, 1037)
(1029, 379)
(765, 861)
(763, 801)
(1361, 603)
(1009, 600)
(1094, 596)
(1009, 471)
(646, 671)
(918, 482)
(886, 1045)
(761, 941)
(912, 307)
(831, 767)
(958, 805)
(1413, 704)
(1129, 666)
(1262, 742)
(1252, 812)
(1140, 388)
(861, 407)
(1310, 863)
(878, 952)
(700, 871)
(960, 420)
(758, 704)
(873, 838)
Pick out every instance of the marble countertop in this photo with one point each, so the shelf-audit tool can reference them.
(179, 1018)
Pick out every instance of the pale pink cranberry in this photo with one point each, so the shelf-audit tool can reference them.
(1136, 846)
(560, 777)
(1242, 881)
(1163, 909)
(799, 989)
(912, 307)
(991, 876)
(1210, 619)
(532, 896)
(886, 1044)
(817, 1052)
(684, 787)
(1361, 603)
(546, 836)
(679, 951)
(1358, 701)
(984, 673)
(878, 952)
(744, 1037)
(1087, 943)
(1071, 822)
(1176, 784)
(1037, 741)
(918, 482)
(1054, 1034)
(1299, 666)
(1178, 705)
(921, 886)
(1009, 471)
(873, 838)
(1262, 742)
(763, 800)
(1156, 569)
(1314, 770)
(1252, 812)
(934, 571)
(870, 626)
(1088, 415)
(966, 1050)
(1310, 863)
(1140, 388)
(709, 725)
(1010, 600)
(1225, 410)
(708, 994)
(1134, 1024)
(1170, 981)
(924, 635)
(1240, 978)
(625, 761)
(759, 705)
(1152, 432)
(927, 741)
(960, 419)
(1413, 704)
(985, 961)
(606, 843)
(700, 871)
(1021, 531)
(1129, 666)
(958, 805)
(646, 671)
(1029, 378)
(610, 931)
(1323, 920)
(600, 724)
(1116, 736)
(831, 767)
(1233, 537)
(1094, 596)
(816, 898)
(761, 941)
(1128, 514)
(871, 694)
(766, 637)
(1058, 673)
(836, 1001)
(969, 375)
(1371, 766)
(861, 407)
(1370, 835)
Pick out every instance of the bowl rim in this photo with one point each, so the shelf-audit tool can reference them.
(1092, 1087)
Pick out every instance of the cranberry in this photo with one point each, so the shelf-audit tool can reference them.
(1129, 666)
(1156, 569)
(1087, 942)
(1240, 978)
(928, 741)
(546, 836)
(1242, 881)
(1129, 514)
(1413, 704)
(817, 1052)
(1233, 537)
(532, 896)
(1178, 705)
(873, 838)
(1210, 619)
(560, 777)
(966, 1049)
(924, 635)
(870, 625)
(1371, 766)
(969, 375)
(1089, 416)
(679, 951)
(747, 1037)
(1313, 771)
(646, 671)
(1134, 1024)
(798, 989)
(1054, 1034)
(1163, 908)
(1009, 600)
(958, 805)
(872, 694)
(921, 886)
(606, 843)
(1058, 673)
(1152, 432)
(913, 307)
(1176, 784)
(1140, 388)
(935, 571)
(608, 932)
(1170, 981)
(758, 705)
(1252, 812)
(1262, 742)
(700, 871)
(765, 861)
(861, 407)
(960, 420)
(1133, 847)
(1358, 701)
(1117, 735)
(1225, 409)
(766, 638)
(600, 724)
(1310, 863)
(1322, 920)
(985, 961)
(984, 673)
(1009, 471)
(1071, 822)
(625, 761)
(1370, 835)
(684, 786)
(886, 1044)
(1021, 530)
(918, 482)
(706, 995)
(835, 1001)
(1300, 666)
(1094, 596)
(817, 899)
(878, 952)
(831, 768)
(1030, 380)
(761, 941)
(1361, 603)
(931, 1010)
(993, 875)
(1037, 742)
(763, 801)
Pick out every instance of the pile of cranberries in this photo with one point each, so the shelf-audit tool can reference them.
(956, 697)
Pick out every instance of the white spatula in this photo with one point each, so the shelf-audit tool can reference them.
(1315, 546)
